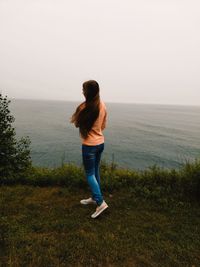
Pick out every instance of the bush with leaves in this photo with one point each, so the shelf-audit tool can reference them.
(14, 154)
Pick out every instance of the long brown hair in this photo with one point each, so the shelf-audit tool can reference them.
(84, 118)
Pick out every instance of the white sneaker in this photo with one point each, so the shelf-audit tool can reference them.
(99, 209)
(88, 201)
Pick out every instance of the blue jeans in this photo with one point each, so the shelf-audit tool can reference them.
(91, 159)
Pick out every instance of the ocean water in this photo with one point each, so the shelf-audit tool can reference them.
(137, 136)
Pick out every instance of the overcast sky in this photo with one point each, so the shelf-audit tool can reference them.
(144, 51)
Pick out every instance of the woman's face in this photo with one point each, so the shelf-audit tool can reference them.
(83, 91)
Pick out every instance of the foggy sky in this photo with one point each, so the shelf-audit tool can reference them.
(145, 51)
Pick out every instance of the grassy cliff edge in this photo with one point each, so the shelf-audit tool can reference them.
(153, 218)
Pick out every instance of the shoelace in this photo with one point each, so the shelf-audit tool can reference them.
(97, 208)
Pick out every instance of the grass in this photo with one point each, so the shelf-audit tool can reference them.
(47, 226)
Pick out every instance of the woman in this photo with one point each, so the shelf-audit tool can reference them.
(90, 118)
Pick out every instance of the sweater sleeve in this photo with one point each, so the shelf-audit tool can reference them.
(103, 126)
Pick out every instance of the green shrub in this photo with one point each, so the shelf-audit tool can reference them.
(14, 154)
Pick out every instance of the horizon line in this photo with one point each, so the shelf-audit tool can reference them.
(111, 102)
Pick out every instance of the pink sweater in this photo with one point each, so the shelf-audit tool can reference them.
(96, 136)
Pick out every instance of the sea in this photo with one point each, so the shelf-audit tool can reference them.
(137, 136)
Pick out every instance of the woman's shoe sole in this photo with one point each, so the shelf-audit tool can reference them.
(85, 203)
(96, 215)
